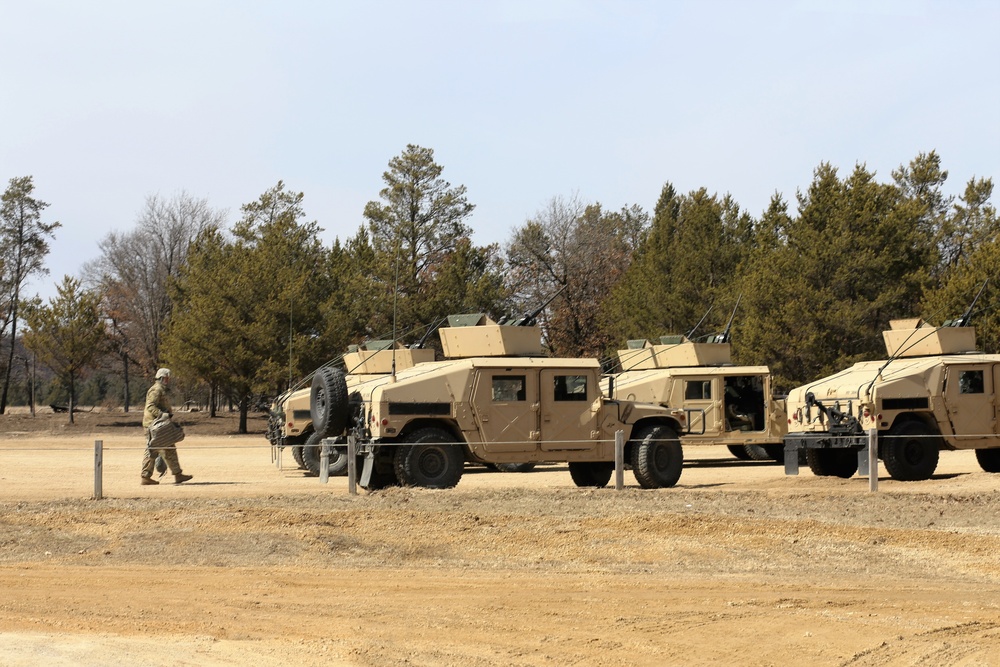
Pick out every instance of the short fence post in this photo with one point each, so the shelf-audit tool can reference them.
(619, 460)
(872, 460)
(98, 469)
(324, 463)
(352, 465)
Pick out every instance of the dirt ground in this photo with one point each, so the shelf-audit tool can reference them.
(252, 562)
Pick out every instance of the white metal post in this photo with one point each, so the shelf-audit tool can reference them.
(619, 460)
(324, 463)
(352, 465)
(872, 460)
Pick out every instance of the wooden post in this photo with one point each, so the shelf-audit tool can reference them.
(98, 469)
(352, 465)
(872, 460)
(619, 460)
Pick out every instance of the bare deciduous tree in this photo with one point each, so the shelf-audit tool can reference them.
(582, 250)
(135, 270)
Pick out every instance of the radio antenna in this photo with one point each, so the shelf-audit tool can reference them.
(395, 309)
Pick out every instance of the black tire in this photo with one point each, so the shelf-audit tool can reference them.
(591, 473)
(328, 405)
(775, 452)
(839, 462)
(989, 459)
(312, 453)
(756, 453)
(432, 460)
(515, 467)
(911, 452)
(739, 451)
(297, 455)
(381, 480)
(657, 457)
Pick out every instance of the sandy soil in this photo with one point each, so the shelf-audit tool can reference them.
(738, 564)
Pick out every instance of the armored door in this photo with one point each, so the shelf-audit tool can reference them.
(506, 406)
(969, 397)
(702, 398)
(569, 409)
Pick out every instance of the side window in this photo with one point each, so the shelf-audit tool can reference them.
(508, 388)
(570, 388)
(697, 390)
(970, 382)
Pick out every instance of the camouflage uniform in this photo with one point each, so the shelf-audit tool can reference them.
(157, 403)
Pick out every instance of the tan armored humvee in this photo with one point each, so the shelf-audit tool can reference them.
(290, 424)
(724, 404)
(495, 399)
(934, 392)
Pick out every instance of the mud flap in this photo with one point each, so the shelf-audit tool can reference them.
(791, 458)
(863, 461)
(366, 470)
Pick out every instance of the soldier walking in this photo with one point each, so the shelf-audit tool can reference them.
(157, 404)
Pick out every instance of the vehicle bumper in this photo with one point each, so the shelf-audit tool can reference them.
(795, 442)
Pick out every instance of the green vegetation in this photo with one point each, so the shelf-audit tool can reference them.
(247, 311)
(67, 334)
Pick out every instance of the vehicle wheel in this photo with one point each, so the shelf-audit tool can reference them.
(775, 452)
(383, 473)
(657, 457)
(515, 467)
(739, 451)
(381, 480)
(297, 455)
(433, 460)
(989, 459)
(839, 462)
(910, 452)
(328, 405)
(756, 453)
(591, 473)
(312, 455)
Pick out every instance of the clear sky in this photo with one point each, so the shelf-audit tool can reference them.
(105, 103)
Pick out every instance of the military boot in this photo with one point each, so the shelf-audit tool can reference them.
(148, 480)
(180, 478)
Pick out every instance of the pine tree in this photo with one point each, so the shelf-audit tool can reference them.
(23, 247)
(419, 222)
(852, 259)
(246, 308)
(67, 334)
(685, 269)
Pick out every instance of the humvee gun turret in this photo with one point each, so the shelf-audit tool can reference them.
(934, 392)
(291, 424)
(724, 404)
(494, 400)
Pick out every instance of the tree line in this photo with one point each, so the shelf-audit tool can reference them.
(249, 309)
